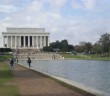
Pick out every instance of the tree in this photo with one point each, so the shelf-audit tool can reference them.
(88, 47)
(105, 43)
(48, 49)
(5, 50)
(79, 48)
(62, 46)
(71, 48)
(96, 48)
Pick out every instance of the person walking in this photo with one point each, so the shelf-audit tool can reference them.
(11, 63)
(29, 62)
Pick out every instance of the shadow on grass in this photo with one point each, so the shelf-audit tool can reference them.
(6, 74)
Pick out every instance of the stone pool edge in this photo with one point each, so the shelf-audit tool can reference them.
(70, 83)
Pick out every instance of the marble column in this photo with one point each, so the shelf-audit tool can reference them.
(11, 41)
(15, 41)
(48, 40)
(37, 41)
(28, 41)
(19, 41)
(44, 41)
(40, 41)
(24, 41)
(3, 41)
(7, 42)
(33, 41)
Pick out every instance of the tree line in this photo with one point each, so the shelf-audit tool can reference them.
(102, 46)
(5, 50)
(62, 46)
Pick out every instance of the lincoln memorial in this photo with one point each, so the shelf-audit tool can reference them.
(23, 38)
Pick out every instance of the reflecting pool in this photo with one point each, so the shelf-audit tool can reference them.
(95, 74)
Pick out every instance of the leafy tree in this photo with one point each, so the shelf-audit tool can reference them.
(48, 49)
(79, 48)
(5, 50)
(62, 46)
(105, 43)
(88, 47)
(57, 44)
(71, 48)
(96, 48)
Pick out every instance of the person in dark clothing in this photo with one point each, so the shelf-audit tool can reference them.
(11, 63)
(29, 62)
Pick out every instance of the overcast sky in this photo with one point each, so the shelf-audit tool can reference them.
(74, 20)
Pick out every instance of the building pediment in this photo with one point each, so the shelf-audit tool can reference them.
(26, 30)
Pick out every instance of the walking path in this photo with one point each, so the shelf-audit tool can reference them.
(31, 83)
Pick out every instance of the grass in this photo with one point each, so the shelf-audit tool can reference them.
(84, 57)
(97, 57)
(72, 56)
(7, 88)
(5, 57)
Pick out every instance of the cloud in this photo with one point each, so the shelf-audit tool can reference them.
(75, 27)
(76, 4)
(89, 4)
(55, 5)
(35, 14)
(6, 1)
(8, 8)
(84, 4)
(34, 6)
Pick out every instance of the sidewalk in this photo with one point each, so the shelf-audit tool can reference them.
(32, 83)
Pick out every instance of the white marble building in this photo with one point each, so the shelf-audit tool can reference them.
(22, 38)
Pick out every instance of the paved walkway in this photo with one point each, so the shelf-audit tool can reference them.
(32, 83)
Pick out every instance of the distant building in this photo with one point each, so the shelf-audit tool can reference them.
(22, 38)
(82, 43)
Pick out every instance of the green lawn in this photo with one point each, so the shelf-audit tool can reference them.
(7, 88)
(5, 57)
(98, 57)
(72, 56)
(83, 57)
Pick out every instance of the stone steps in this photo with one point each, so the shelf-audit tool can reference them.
(41, 56)
(36, 54)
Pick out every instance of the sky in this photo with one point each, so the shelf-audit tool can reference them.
(74, 20)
